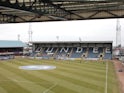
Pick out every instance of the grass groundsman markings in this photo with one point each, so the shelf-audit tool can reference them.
(68, 77)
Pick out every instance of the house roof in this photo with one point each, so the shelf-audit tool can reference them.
(11, 44)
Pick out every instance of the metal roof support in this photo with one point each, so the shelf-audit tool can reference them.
(7, 18)
(61, 9)
(111, 13)
(54, 10)
(36, 7)
(94, 14)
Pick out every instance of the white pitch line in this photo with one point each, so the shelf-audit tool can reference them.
(106, 81)
(50, 88)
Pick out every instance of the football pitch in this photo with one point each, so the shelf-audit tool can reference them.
(68, 77)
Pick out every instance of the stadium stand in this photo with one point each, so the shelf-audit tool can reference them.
(108, 53)
(64, 50)
(77, 52)
(8, 49)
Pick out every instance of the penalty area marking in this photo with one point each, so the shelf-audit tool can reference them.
(106, 78)
(50, 88)
(47, 90)
(20, 81)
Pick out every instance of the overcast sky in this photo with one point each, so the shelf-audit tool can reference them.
(87, 30)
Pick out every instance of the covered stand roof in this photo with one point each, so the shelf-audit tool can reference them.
(57, 42)
(11, 44)
(12, 11)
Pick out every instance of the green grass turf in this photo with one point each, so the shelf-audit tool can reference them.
(68, 77)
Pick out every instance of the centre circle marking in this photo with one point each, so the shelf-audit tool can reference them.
(37, 67)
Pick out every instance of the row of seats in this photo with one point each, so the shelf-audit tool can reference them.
(74, 52)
